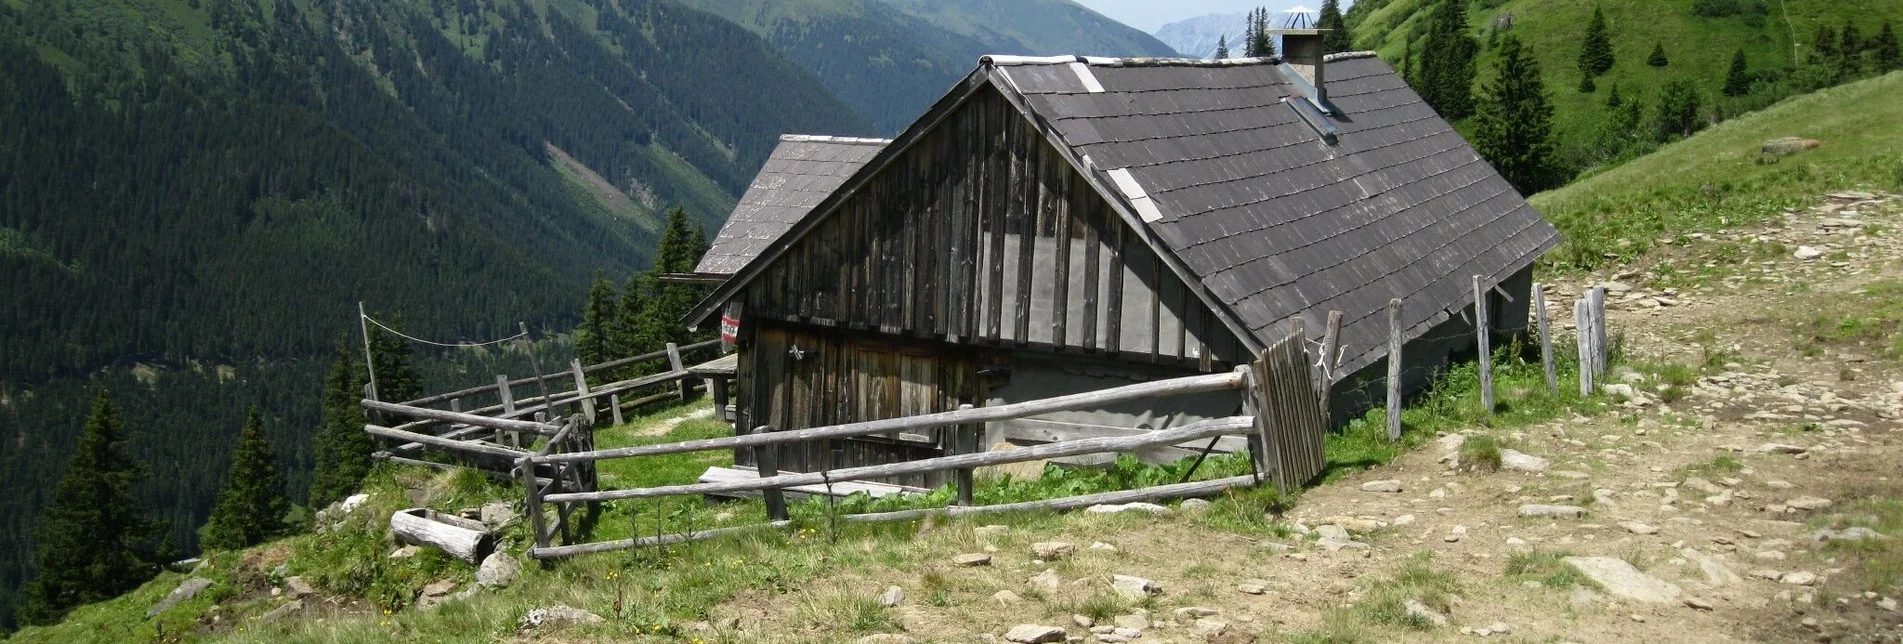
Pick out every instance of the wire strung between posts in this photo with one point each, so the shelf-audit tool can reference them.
(459, 345)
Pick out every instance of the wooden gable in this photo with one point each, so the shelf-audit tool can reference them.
(982, 233)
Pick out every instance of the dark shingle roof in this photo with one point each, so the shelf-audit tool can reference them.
(801, 172)
(1273, 220)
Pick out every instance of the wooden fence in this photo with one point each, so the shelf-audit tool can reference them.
(1283, 422)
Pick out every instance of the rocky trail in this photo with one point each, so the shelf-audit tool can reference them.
(1696, 511)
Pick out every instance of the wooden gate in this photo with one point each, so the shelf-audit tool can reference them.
(1289, 419)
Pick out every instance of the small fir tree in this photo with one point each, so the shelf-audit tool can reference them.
(1447, 62)
(1595, 53)
(1613, 99)
(1737, 82)
(1889, 57)
(1823, 46)
(95, 540)
(343, 450)
(1338, 38)
(1222, 47)
(1657, 59)
(1678, 106)
(1257, 42)
(252, 507)
(1850, 47)
(1586, 84)
(1513, 126)
(594, 339)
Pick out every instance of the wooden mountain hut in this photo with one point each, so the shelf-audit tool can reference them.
(1060, 225)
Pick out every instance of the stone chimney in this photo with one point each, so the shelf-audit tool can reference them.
(1302, 50)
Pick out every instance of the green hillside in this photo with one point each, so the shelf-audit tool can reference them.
(1717, 179)
(195, 194)
(1774, 34)
(890, 59)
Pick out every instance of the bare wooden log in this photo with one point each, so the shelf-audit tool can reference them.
(1601, 352)
(455, 433)
(1331, 343)
(459, 417)
(1088, 400)
(964, 441)
(674, 365)
(1204, 429)
(581, 390)
(1178, 490)
(1546, 337)
(1395, 348)
(445, 467)
(1483, 340)
(1582, 324)
(445, 443)
(458, 537)
(614, 408)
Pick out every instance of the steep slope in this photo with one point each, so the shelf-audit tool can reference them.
(1197, 37)
(1036, 27)
(1718, 178)
(889, 59)
(186, 184)
(1774, 34)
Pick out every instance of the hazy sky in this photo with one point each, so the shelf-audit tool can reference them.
(1148, 15)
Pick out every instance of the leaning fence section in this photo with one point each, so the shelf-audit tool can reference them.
(1282, 421)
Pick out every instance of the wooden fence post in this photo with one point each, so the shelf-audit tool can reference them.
(508, 401)
(1394, 369)
(965, 442)
(614, 408)
(1331, 339)
(1483, 337)
(581, 391)
(533, 505)
(1582, 323)
(1546, 337)
(1252, 407)
(674, 364)
(1601, 352)
(766, 460)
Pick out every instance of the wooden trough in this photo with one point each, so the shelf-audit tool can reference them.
(462, 538)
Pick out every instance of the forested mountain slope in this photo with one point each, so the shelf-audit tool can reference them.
(1698, 39)
(889, 59)
(186, 184)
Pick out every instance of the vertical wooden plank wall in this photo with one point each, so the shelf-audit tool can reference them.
(981, 232)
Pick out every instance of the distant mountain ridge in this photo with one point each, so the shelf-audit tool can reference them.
(1197, 37)
(890, 59)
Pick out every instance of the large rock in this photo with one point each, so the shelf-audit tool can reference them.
(498, 571)
(1388, 486)
(1516, 460)
(294, 607)
(1552, 511)
(557, 615)
(1787, 145)
(972, 560)
(1419, 611)
(1621, 580)
(892, 597)
(298, 587)
(1808, 503)
(497, 514)
(1134, 588)
(1858, 533)
(1053, 550)
(185, 591)
(1034, 634)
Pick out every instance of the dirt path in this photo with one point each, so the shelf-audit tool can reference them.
(1705, 497)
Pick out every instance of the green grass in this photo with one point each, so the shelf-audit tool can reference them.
(1871, 319)
(1542, 566)
(1381, 614)
(1480, 454)
(1877, 564)
(1717, 466)
(1714, 180)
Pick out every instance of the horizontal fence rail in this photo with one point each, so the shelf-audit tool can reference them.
(1178, 386)
(522, 382)
(1204, 429)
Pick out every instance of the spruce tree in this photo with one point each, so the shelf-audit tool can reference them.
(1613, 99)
(594, 339)
(1824, 46)
(1657, 59)
(1222, 47)
(1338, 39)
(252, 507)
(342, 448)
(1513, 127)
(1889, 57)
(1678, 107)
(95, 540)
(1849, 54)
(1595, 54)
(1737, 82)
(1586, 84)
(1447, 62)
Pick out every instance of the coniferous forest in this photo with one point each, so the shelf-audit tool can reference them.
(195, 194)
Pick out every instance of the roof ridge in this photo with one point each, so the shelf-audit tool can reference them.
(821, 138)
(1349, 55)
(997, 60)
